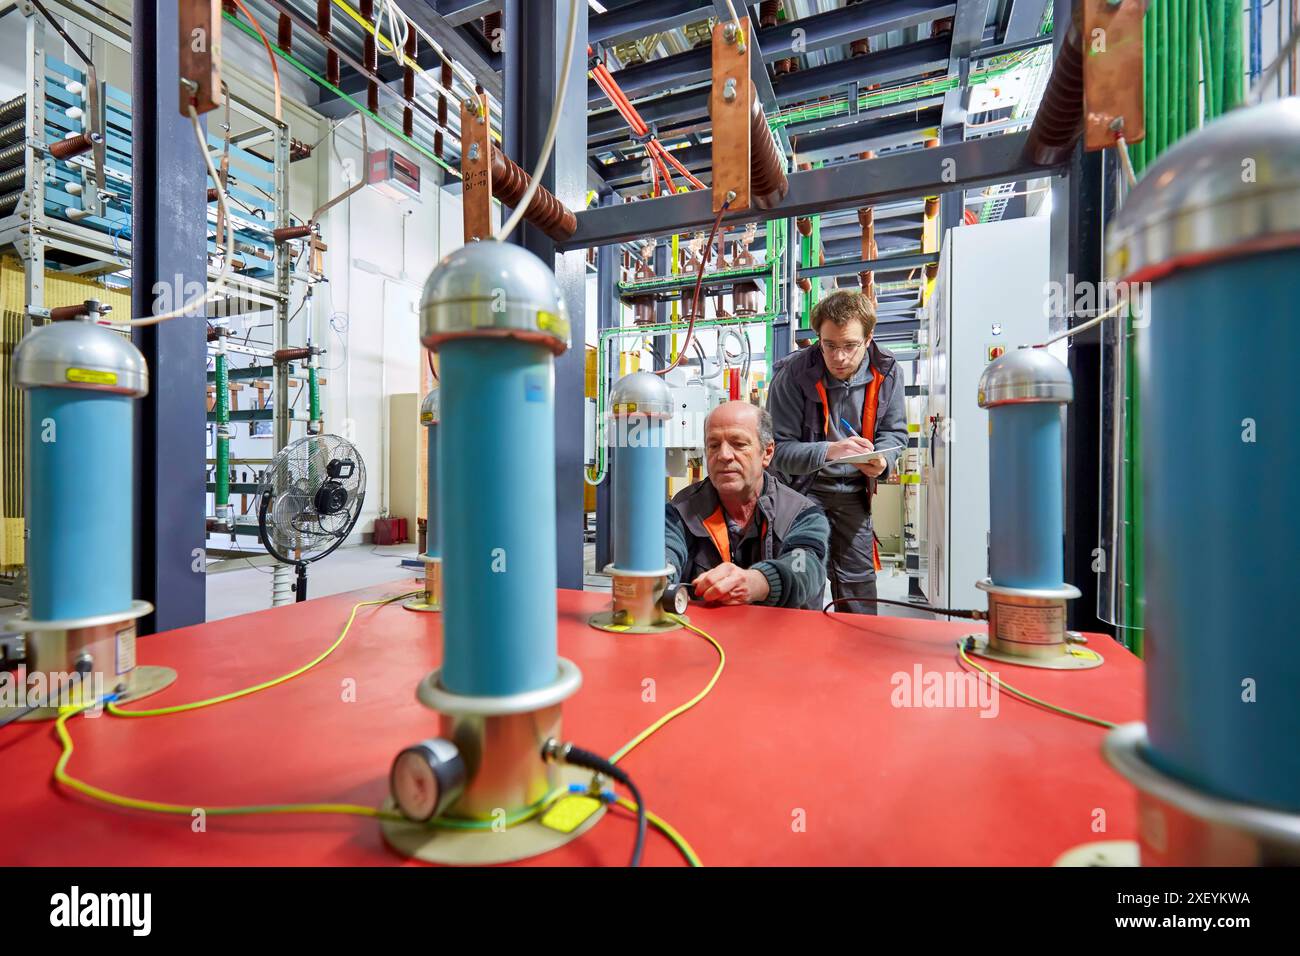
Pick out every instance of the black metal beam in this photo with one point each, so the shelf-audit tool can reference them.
(843, 267)
(643, 18)
(846, 24)
(901, 175)
(1025, 19)
(967, 32)
(168, 251)
(865, 134)
(457, 12)
(883, 66)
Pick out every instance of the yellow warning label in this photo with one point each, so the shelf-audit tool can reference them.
(570, 812)
(426, 418)
(90, 376)
(556, 325)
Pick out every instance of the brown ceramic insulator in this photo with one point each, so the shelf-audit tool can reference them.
(214, 332)
(408, 122)
(67, 148)
(372, 97)
(492, 28)
(931, 144)
(767, 180)
(931, 206)
(212, 194)
(1059, 119)
(804, 225)
(437, 143)
(866, 216)
(860, 47)
(781, 67)
(285, 233)
(324, 26)
(446, 76)
(299, 354)
(931, 270)
(547, 213)
(229, 7)
(408, 84)
(643, 310)
(442, 111)
(65, 313)
(941, 26)
(805, 284)
(768, 12)
(284, 34)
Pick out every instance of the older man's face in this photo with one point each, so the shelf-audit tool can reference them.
(735, 453)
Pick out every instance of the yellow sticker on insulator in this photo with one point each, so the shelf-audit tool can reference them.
(90, 376)
(550, 322)
(426, 418)
(570, 812)
(624, 408)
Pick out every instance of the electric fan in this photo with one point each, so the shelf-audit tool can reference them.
(309, 500)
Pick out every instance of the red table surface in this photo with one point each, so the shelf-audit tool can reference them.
(797, 757)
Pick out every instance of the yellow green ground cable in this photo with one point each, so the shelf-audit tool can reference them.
(961, 653)
(636, 741)
(154, 806)
(234, 695)
(666, 829)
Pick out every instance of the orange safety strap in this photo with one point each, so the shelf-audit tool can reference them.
(716, 526)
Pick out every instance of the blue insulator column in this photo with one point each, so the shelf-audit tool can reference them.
(498, 507)
(1024, 391)
(640, 404)
(1209, 242)
(494, 314)
(82, 381)
(431, 599)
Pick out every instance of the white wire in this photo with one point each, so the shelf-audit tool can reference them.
(549, 142)
(218, 285)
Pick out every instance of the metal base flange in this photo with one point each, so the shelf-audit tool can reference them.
(1027, 628)
(107, 639)
(458, 847)
(431, 599)
(421, 603)
(146, 680)
(636, 604)
(1181, 825)
(605, 621)
(1073, 657)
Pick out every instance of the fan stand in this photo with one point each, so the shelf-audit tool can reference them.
(300, 585)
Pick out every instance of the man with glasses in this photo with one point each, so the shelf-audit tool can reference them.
(839, 399)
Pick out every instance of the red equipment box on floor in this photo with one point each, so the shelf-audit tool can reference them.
(390, 531)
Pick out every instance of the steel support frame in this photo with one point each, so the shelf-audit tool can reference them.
(897, 176)
(167, 249)
(534, 35)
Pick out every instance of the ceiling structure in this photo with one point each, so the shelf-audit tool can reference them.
(839, 78)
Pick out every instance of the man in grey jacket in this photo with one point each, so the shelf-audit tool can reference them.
(740, 536)
(840, 398)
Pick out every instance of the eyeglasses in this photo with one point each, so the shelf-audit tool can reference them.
(848, 348)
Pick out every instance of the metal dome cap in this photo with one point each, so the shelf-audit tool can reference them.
(490, 288)
(1231, 188)
(641, 393)
(1023, 376)
(431, 407)
(80, 355)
